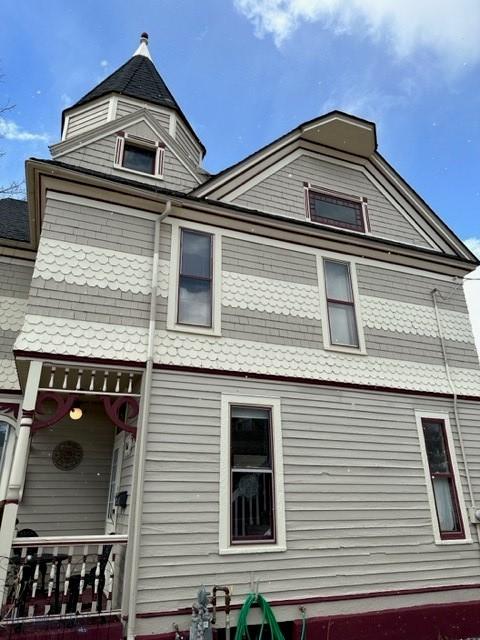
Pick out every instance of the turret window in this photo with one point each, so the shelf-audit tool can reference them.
(139, 155)
(336, 210)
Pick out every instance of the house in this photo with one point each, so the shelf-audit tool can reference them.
(263, 379)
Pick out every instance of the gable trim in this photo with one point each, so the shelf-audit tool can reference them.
(298, 153)
(111, 127)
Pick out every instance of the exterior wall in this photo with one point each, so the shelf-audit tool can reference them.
(15, 277)
(87, 118)
(357, 512)
(283, 193)
(99, 156)
(187, 144)
(73, 502)
(125, 484)
(92, 279)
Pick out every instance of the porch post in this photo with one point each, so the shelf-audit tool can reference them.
(17, 473)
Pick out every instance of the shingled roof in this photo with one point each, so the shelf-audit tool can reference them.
(137, 78)
(14, 220)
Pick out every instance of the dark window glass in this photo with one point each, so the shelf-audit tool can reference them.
(443, 481)
(340, 305)
(195, 279)
(252, 513)
(335, 211)
(139, 158)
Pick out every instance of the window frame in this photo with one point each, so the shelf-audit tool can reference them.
(226, 544)
(6, 456)
(329, 193)
(443, 538)
(324, 301)
(124, 138)
(195, 277)
(174, 279)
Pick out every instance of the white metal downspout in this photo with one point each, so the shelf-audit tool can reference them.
(455, 402)
(134, 525)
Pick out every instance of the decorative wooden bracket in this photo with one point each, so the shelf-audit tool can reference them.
(9, 409)
(63, 405)
(126, 405)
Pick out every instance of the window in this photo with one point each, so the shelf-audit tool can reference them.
(7, 446)
(139, 155)
(443, 487)
(342, 322)
(251, 474)
(195, 279)
(336, 210)
(4, 431)
(252, 517)
(139, 158)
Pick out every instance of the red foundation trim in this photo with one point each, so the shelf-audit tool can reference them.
(319, 599)
(452, 621)
(4, 502)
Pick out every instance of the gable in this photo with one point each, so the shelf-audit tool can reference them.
(95, 150)
(280, 190)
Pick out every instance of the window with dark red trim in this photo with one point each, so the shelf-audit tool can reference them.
(251, 469)
(342, 319)
(139, 158)
(443, 480)
(195, 279)
(336, 211)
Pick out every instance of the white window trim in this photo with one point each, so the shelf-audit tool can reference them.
(140, 142)
(172, 324)
(225, 545)
(6, 458)
(337, 194)
(419, 415)
(327, 343)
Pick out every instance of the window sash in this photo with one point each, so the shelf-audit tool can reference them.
(129, 146)
(354, 205)
(249, 505)
(348, 303)
(454, 505)
(183, 275)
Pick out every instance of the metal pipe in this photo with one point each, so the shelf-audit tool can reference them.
(134, 525)
(226, 591)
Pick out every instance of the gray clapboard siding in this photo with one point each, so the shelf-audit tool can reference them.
(187, 144)
(15, 279)
(99, 156)
(89, 117)
(80, 503)
(125, 107)
(125, 484)
(283, 193)
(356, 503)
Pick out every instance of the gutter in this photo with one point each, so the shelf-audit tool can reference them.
(135, 522)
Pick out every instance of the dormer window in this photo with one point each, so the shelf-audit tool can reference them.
(139, 155)
(336, 210)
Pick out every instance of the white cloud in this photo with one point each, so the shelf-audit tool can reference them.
(472, 291)
(104, 63)
(11, 131)
(449, 28)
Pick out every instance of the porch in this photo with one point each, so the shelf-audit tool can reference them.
(65, 569)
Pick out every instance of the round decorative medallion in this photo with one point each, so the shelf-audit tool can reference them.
(67, 455)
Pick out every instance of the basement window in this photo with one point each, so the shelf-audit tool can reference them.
(139, 155)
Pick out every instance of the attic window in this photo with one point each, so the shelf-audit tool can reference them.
(139, 155)
(336, 210)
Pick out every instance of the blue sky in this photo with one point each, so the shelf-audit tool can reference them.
(247, 71)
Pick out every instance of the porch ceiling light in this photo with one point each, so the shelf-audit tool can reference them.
(76, 413)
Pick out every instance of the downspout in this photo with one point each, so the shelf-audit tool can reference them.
(134, 526)
(451, 384)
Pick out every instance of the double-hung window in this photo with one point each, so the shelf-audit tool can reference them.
(251, 484)
(341, 312)
(195, 279)
(194, 300)
(443, 486)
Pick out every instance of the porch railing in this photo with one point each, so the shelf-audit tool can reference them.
(64, 576)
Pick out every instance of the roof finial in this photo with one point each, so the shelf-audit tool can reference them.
(143, 47)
